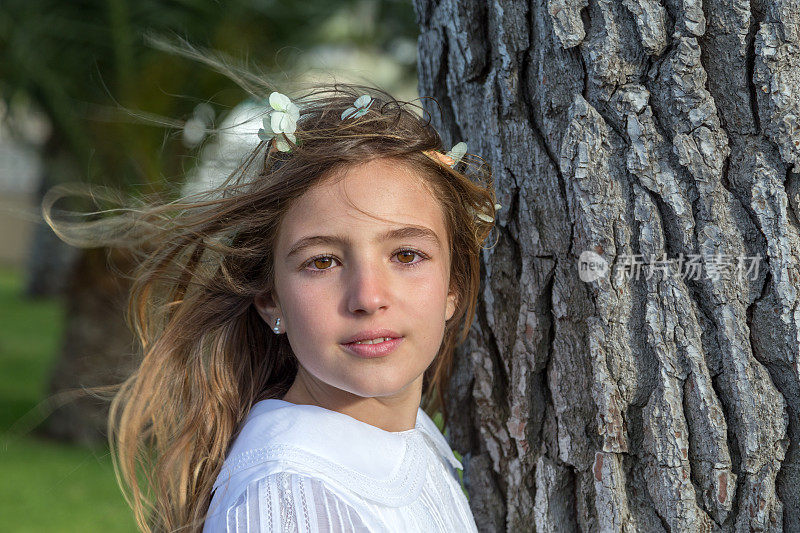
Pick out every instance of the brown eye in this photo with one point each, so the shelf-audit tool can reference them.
(317, 262)
(409, 254)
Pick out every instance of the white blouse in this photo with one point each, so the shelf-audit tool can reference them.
(304, 468)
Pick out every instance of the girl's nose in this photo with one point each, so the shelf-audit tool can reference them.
(367, 289)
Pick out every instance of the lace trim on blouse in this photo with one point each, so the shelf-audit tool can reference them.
(401, 488)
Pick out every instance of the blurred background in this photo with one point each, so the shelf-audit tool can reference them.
(66, 70)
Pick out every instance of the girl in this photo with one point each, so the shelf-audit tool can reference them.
(298, 326)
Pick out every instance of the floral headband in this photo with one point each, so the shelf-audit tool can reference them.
(281, 124)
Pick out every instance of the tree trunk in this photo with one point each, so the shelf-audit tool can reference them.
(50, 260)
(97, 347)
(664, 399)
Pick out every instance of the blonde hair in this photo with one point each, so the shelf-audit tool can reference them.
(207, 355)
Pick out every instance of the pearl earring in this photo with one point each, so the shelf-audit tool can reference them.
(276, 329)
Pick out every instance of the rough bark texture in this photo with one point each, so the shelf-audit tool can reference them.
(663, 403)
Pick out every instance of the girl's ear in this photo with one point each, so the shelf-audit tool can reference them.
(267, 307)
(452, 300)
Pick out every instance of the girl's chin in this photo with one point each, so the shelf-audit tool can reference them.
(370, 389)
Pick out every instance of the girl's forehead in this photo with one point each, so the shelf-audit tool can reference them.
(369, 197)
(362, 203)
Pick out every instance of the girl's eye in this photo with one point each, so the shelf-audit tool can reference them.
(321, 263)
(406, 257)
(406, 253)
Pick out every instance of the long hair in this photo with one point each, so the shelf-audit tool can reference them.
(206, 354)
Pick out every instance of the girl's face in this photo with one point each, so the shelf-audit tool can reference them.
(340, 272)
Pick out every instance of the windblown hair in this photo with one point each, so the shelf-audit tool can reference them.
(206, 354)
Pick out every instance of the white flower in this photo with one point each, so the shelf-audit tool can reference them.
(487, 218)
(360, 107)
(196, 128)
(194, 131)
(457, 152)
(452, 157)
(283, 120)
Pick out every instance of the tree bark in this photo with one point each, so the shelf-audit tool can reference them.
(666, 400)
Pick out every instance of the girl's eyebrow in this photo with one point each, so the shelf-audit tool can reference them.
(406, 232)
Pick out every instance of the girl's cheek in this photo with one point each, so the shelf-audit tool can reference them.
(427, 281)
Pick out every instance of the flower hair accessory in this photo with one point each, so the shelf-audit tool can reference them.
(452, 157)
(359, 108)
(487, 218)
(281, 123)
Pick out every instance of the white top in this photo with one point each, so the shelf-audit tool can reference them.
(305, 468)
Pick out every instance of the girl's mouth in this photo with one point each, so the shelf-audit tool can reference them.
(377, 347)
(373, 341)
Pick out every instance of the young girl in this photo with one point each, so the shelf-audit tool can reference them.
(298, 326)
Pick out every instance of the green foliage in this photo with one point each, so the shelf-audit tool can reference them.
(438, 419)
(45, 486)
(81, 61)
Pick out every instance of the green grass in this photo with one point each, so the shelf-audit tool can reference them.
(45, 486)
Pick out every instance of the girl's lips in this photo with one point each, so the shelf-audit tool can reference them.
(374, 350)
